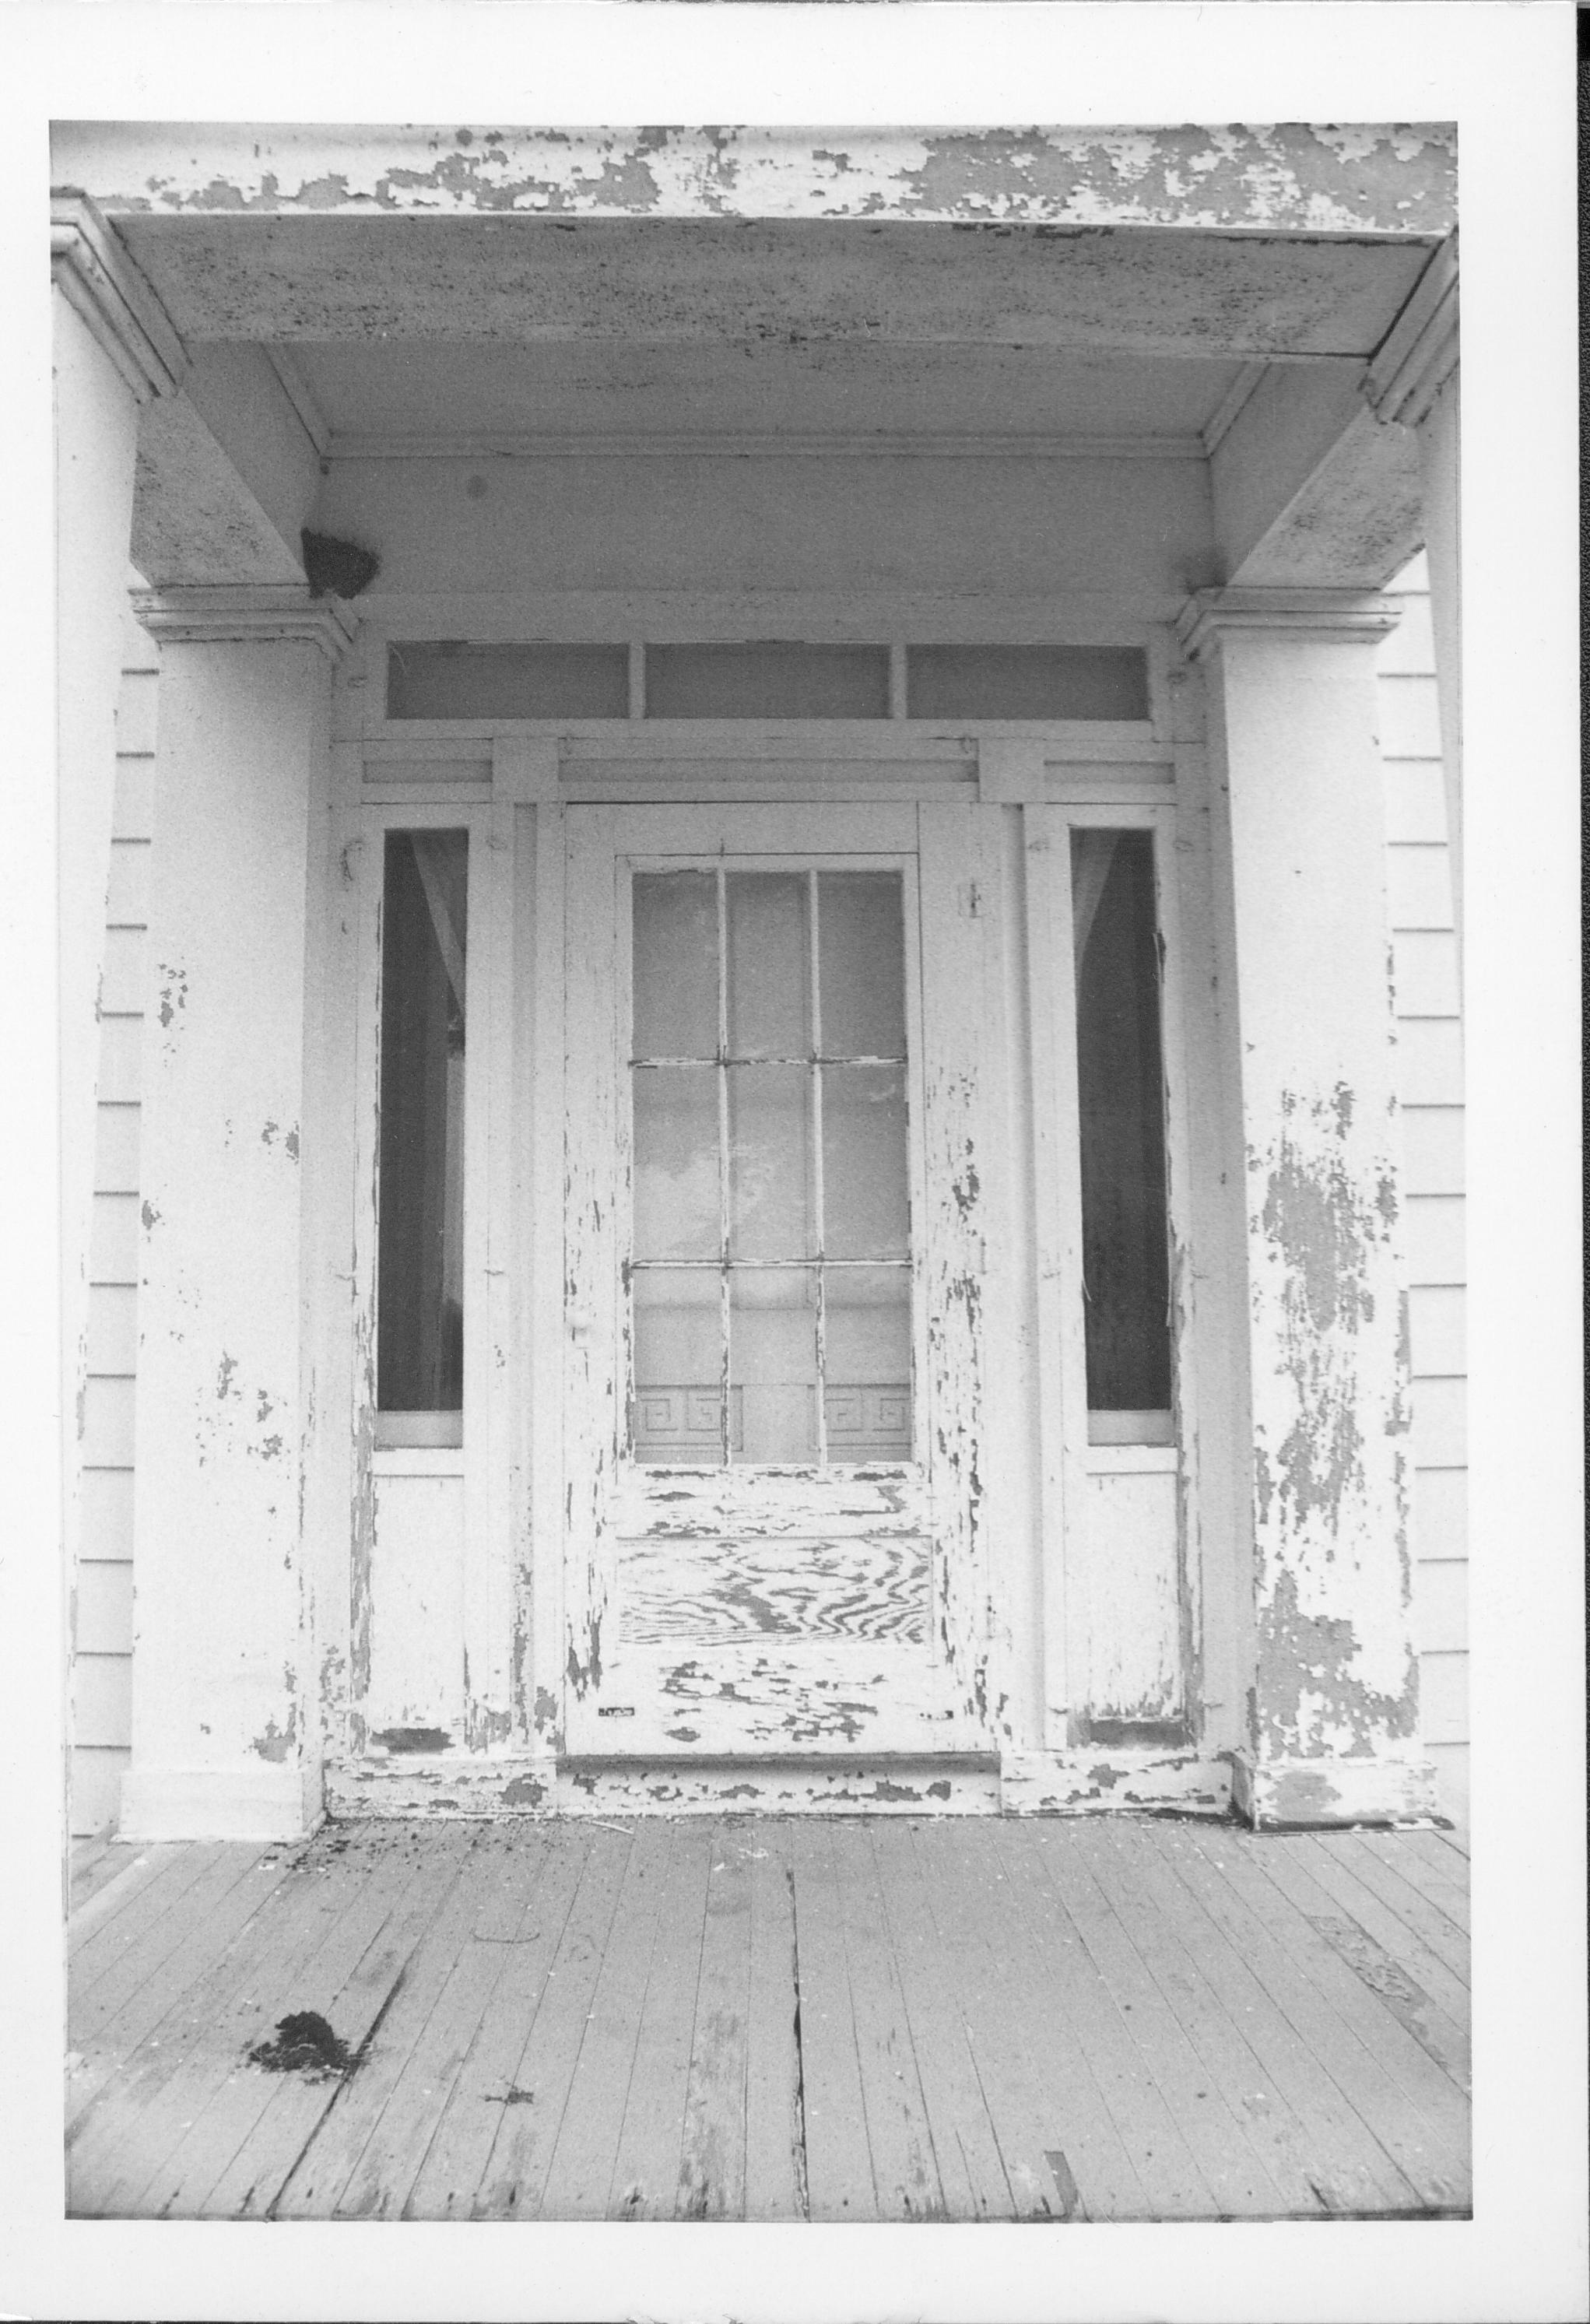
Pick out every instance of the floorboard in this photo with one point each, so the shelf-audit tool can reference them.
(1124, 1862)
(580, 2171)
(1172, 2183)
(1419, 1991)
(1349, 2170)
(644, 2184)
(243, 2148)
(96, 1950)
(1062, 2155)
(735, 2018)
(395, 1985)
(1445, 1939)
(775, 2131)
(839, 2158)
(1425, 2121)
(1238, 2185)
(905, 2172)
(122, 2139)
(1336, 2037)
(527, 1941)
(527, 2129)
(1424, 1860)
(971, 2174)
(712, 2149)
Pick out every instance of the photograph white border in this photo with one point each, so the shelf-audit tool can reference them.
(1505, 74)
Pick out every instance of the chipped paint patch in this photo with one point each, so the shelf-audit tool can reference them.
(1290, 177)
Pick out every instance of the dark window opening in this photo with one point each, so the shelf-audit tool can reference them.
(1120, 1083)
(419, 1291)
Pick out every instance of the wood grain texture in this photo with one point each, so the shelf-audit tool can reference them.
(779, 2017)
(723, 1587)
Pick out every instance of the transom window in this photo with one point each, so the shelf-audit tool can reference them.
(771, 1263)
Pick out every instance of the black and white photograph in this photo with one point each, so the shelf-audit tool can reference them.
(769, 923)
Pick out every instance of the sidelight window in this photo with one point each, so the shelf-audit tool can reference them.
(1121, 1095)
(419, 1291)
(770, 1264)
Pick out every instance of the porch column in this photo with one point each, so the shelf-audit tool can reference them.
(113, 351)
(1333, 1710)
(224, 1739)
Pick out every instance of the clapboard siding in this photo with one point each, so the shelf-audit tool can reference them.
(1429, 1057)
(103, 1583)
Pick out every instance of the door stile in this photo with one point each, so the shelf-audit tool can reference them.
(958, 893)
(541, 1588)
(489, 1348)
(1068, 1347)
(593, 1190)
(360, 865)
(1047, 1022)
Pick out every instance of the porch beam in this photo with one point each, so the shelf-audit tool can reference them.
(1333, 1710)
(1395, 179)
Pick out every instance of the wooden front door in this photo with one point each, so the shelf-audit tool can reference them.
(774, 1243)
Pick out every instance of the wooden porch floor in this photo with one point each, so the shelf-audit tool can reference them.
(732, 2018)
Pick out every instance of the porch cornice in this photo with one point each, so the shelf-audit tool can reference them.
(1349, 615)
(94, 273)
(1420, 351)
(263, 615)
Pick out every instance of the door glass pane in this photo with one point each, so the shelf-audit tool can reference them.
(675, 964)
(1121, 1092)
(769, 978)
(866, 1363)
(677, 1414)
(677, 1210)
(770, 1162)
(773, 1364)
(862, 950)
(420, 1297)
(866, 1204)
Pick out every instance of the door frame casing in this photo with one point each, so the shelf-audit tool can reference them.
(512, 783)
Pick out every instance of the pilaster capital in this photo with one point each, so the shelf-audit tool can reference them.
(1346, 616)
(1419, 352)
(93, 272)
(260, 613)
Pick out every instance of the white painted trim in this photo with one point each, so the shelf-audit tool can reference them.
(1420, 351)
(93, 272)
(264, 613)
(1107, 1779)
(259, 1803)
(1388, 1788)
(630, 443)
(1247, 380)
(1343, 616)
(296, 388)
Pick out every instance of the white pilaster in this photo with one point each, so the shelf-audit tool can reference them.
(112, 351)
(225, 1722)
(1296, 778)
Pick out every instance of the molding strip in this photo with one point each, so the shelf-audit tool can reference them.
(263, 615)
(1419, 352)
(1348, 615)
(92, 271)
(627, 444)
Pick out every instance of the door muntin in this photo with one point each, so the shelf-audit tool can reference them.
(770, 1272)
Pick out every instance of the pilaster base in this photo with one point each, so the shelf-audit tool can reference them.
(258, 1804)
(1280, 1794)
